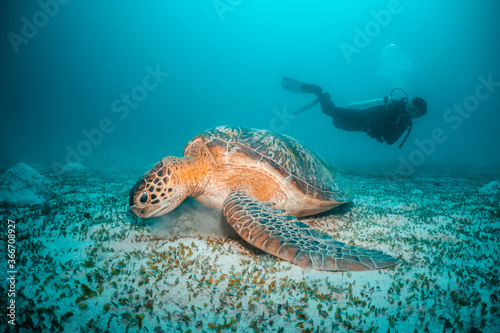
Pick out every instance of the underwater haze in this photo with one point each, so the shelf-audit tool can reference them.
(94, 93)
(67, 66)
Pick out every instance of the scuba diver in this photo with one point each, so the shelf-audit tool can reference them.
(384, 119)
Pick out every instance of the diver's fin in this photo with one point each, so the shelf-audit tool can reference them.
(292, 85)
(285, 237)
(306, 107)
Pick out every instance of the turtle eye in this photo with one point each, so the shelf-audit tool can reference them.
(144, 197)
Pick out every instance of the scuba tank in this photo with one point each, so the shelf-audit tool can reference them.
(367, 104)
(376, 102)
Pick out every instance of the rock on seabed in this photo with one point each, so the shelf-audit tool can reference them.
(491, 188)
(24, 184)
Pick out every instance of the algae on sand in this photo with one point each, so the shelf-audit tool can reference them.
(85, 263)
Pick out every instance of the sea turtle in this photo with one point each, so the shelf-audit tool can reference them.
(262, 181)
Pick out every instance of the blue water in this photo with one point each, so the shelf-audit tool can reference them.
(121, 84)
(65, 64)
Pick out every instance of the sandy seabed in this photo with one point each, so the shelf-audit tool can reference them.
(84, 263)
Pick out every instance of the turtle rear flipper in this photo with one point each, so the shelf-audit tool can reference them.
(287, 238)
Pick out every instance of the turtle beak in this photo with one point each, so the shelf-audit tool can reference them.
(144, 212)
(140, 212)
(151, 211)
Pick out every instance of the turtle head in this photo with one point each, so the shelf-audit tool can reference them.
(160, 190)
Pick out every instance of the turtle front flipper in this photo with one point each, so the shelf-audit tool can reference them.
(285, 237)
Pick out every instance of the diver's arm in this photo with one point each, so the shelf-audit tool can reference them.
(397, 122)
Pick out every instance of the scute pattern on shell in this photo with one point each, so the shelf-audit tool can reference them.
(294, 161)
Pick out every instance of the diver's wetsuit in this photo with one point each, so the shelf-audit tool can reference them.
(383, 122)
